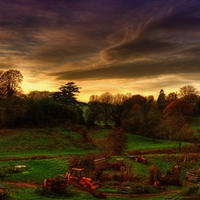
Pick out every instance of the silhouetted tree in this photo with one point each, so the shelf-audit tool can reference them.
(137, 99)
(49, 112)
(171, 97)
(10, 83)
(161, 102)
(120, 110)
(68, 94)
(189, 93)
(39, 94)
(12, 111)
(105, 100)
(34, 115)
(93, 111)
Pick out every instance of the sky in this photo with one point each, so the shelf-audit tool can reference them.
(118, 46)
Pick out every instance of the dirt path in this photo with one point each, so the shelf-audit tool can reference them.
(142, 196)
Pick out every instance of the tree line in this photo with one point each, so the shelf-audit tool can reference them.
(38, 108)
(166, 117)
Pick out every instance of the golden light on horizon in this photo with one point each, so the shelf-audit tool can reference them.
(134, 47)
(98, 87)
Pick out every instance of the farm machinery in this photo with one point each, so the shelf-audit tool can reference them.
(140, 159)
(172, 177)
(57, 183)
(77, 178)
(102, 163)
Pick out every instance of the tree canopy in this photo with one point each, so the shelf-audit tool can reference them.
(178, 107)
(67, 94)
(189, 93)
(10, 83)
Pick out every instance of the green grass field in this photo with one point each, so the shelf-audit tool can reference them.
(39, 169)
(52, 142)
(46, 152)
(137, 142)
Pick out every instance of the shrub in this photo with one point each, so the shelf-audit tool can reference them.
(115, 143)
(153, 174)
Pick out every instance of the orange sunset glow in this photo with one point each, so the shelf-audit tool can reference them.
(121, 46)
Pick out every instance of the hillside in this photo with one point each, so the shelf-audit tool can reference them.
(58, 141)
(47, 152)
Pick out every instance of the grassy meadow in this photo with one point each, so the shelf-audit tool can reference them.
(46, 153)
(55, 142)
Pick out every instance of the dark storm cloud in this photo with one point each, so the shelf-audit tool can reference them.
(185, 19)
(135, 70)
(46, 31)
(138, 48)
(166, 35)
(96, 40)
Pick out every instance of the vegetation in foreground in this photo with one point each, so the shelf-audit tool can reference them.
(59, 162)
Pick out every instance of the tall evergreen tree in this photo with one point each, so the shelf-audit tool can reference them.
(67, 94)
(161, 102)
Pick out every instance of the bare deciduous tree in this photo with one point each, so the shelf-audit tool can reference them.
(10, 83)
(105, 100)
(189, 93)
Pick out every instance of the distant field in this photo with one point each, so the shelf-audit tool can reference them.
(137, 142)
(55, 142)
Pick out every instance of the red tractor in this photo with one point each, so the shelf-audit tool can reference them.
(102, 164)
(77, 178)
(118, 165)
(58, 183)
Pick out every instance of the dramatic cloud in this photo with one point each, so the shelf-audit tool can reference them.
(134, 46)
